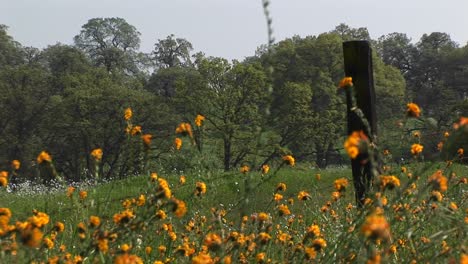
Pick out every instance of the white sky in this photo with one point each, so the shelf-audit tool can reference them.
(231, 28)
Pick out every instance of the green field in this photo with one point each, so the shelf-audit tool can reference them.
(416, 226)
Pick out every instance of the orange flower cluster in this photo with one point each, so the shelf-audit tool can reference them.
(389, 181)
(438, 181)
(15, 164)
(184, 129)
(265, 169)
(199, 120)
(3, 178)
(341, 184)
(43, 157)
(147, 139)
(244, 169)
(354, 144)
(289, 159)
(416, 149)
(376, 227)
(413, 110)
(128, 114)
(200, 188)
(178, 143)
(346, 82)
(97, 154)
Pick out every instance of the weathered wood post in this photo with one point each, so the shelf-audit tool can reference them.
(358, 65)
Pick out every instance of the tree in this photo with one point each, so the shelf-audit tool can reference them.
(231, 97)
(347, 33)
(10, 50)
(397, 50)
(111, 43)
(172, 52)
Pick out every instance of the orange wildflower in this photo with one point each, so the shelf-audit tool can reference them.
(135, 130)
(97, 154)
(416, 149)
(460, 152)
(289, 159)
(147, 139)
(303, 195)
(244, 169)
(353, 144)
(341, 184)
(43, 157)
(128, 114)
(200, 188)
(438, 181)
(389, 181)
(346, 82)
(413, 110)
(376, 227)
(184, 129)
(178, 143)
(15, 164)
(199, 120)
(265, 169)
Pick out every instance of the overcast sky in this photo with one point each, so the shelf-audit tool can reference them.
(231, 28)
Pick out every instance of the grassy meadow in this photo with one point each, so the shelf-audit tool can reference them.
(242, 217)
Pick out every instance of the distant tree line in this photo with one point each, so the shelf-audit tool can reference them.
(69, 99)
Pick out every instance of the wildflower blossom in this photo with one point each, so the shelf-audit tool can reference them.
(147, 139)
(160, 214)
(184, 129)
(341, 184)
(178, 143)
(182, 179)
(319, 243)
(202, 258)
(313, 231)
(200, 188)
(213, 241)
(135, 130)
(283, 210)
(81, 230)
(48, 243)
(354, 143)
(389, 181)
(128, 113)
(438, 181)
(83, 195)
(199, 120)
(440, 145)
(97, 154)
(281, 187)
(460, 152)
(277, 197)
(103, 245)
(59, 227)
(289, 160)
(416, 149)
(244, 169)
(376, 227)
(70, 191)
(265, 169)
(3, 178)
(346, 82)
(15, 164)
(43, 157)
(413, 110)
(303, 195)
(94, 221)
(179, 209)
(127, 258)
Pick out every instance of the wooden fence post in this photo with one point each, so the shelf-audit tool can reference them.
(358, 65)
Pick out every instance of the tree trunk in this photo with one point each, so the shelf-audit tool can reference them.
(227, 153)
